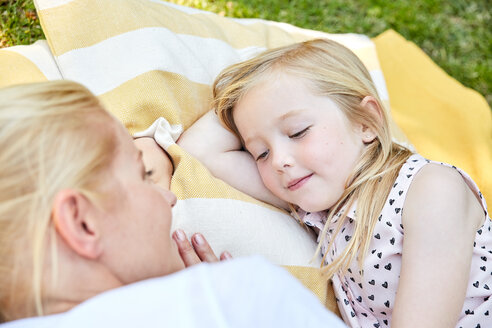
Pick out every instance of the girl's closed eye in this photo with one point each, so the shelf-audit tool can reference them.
(299, 134)
(262, 156)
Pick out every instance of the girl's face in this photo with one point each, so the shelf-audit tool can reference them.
(137, 222)
(304, 146)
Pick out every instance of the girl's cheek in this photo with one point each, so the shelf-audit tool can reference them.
(266, 176)
(262, 172)
(309, 143)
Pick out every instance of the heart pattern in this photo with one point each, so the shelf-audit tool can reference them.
(373, 292)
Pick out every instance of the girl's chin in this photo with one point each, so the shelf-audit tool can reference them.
(312, 205)
(312, 208)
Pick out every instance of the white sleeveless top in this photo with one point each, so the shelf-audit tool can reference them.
(368, 300)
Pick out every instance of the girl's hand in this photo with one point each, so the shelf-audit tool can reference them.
(197, 251)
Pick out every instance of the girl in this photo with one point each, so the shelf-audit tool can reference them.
(407, 241)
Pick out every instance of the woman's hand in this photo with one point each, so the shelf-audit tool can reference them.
(197, 251)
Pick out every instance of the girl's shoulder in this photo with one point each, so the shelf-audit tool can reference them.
(442, 187)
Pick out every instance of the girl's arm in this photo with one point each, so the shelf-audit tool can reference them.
(221, 152)
(441, 218)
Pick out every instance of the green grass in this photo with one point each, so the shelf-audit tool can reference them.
(456, 34)
(19, 23)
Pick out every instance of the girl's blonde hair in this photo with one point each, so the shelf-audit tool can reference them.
(333, 71)
(53, 135)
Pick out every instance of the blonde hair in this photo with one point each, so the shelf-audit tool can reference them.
(333, 71)
(49, 140)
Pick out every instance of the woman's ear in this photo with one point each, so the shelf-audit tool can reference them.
(371, 105)
(71, 215)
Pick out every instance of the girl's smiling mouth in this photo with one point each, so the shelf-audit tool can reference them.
(298, 183)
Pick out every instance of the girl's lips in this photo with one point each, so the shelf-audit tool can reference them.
(298, 183)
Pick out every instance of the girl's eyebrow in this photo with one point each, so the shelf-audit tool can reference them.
(249, 140)
(291, 113)
(280, 119)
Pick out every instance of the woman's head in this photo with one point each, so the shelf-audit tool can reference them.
(65, 163)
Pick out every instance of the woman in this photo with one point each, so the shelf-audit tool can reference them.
(80, 217)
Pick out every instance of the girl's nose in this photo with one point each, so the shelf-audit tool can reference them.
(282, 161)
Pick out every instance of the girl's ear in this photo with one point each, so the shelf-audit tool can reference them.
(371, 105)
(73, 218)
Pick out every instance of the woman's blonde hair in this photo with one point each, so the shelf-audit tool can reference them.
(334, 71)
(53, 135)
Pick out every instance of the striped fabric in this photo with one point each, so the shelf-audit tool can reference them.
(26, 64)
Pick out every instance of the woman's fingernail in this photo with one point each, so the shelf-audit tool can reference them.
(199, 239)
(181, 235)
(227, 255)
